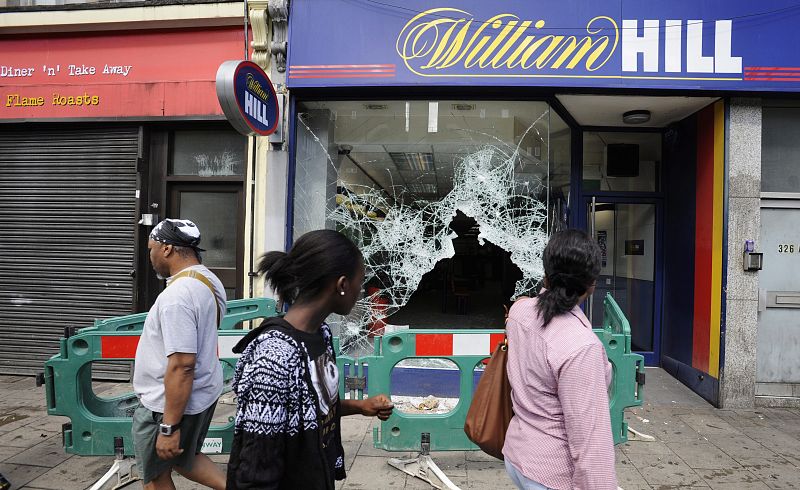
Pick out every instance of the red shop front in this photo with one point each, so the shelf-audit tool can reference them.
(97, 130)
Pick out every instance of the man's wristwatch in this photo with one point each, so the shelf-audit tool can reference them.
(167, 429)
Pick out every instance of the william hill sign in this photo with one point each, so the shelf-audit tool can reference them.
(247, 97)
(728, 45)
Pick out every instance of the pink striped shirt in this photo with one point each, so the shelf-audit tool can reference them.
(560, 435)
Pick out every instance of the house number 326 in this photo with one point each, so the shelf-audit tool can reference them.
(785, 249)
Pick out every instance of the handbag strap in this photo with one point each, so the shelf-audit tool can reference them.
(200, 277)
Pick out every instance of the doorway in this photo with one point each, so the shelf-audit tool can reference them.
(621, 185)
(197, 173)
(778, 343)
(218, 211)
(627, 232)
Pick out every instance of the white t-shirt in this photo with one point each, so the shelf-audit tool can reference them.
(183, 319)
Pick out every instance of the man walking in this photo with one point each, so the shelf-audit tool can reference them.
(177, 376)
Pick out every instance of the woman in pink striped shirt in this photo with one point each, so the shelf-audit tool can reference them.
(560, 436)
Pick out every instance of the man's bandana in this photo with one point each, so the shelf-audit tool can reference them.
(178, 232)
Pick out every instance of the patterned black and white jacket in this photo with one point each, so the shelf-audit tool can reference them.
(277, 443)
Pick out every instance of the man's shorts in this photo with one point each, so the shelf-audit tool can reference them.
(145, 432)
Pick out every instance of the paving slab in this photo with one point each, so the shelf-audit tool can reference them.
(775, 439)
(739, 446)
(12, 418)
(774, 472)
(21, 474)
(732, 478)
(665, 469)
(8, 452)
(708, 425)
(371, 472)
(489, 475)
(645, 447)
(702, 455)
(629, 478)
(25, 438)
(49, 453)
(74, 473)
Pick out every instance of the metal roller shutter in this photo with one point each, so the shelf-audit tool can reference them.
(67, 238)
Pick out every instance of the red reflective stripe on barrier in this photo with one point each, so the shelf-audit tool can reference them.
(118, 347)
(495, 339)
(434, 344)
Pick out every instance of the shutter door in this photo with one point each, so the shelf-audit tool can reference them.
(67, 238)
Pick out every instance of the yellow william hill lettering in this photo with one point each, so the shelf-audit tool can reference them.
(443, 38)
(255, 87)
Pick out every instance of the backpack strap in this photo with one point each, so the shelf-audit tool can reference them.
(200, 277)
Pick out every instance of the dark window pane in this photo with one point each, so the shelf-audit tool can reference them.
(215, 214)
(780, 148)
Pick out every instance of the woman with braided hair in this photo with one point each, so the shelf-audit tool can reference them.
(288, 433)
(560, 436)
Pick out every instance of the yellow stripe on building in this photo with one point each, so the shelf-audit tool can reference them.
(716, 258)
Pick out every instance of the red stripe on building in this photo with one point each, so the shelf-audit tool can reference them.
(434, 344)
(772, 79)
(371, 75)
(312, 72)
(703, 238)
(772, 73)
(772, 68)
(118, 346)
(292, 67)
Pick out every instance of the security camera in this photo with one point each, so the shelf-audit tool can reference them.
(345, 149)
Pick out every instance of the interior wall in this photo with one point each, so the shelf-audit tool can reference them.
(315, 149)
(694, 190)
(680, 151)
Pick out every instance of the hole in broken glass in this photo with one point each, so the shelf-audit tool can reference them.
(467, 290)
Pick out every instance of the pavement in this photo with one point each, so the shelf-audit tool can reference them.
(695, 446)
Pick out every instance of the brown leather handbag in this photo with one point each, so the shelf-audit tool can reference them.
(490, 411)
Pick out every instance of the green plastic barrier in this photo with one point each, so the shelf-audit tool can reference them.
(627, 390)
(96, 421)
(402, 432)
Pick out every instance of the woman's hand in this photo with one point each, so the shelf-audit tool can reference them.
(380, 406)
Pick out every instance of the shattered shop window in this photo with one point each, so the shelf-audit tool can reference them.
(448, 201)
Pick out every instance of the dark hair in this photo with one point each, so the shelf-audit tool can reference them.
(314, 259)
(188, 253)
(571, 265)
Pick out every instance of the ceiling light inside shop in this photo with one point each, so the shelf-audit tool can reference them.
(422, 188)
(636, 117)
(463, 107)
(433, 117)
(420, 162)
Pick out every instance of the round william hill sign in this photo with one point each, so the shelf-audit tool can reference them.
(247, 98)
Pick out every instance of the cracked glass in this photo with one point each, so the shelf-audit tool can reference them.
(451, 203)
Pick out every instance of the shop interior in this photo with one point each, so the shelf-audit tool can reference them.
(373, 155)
